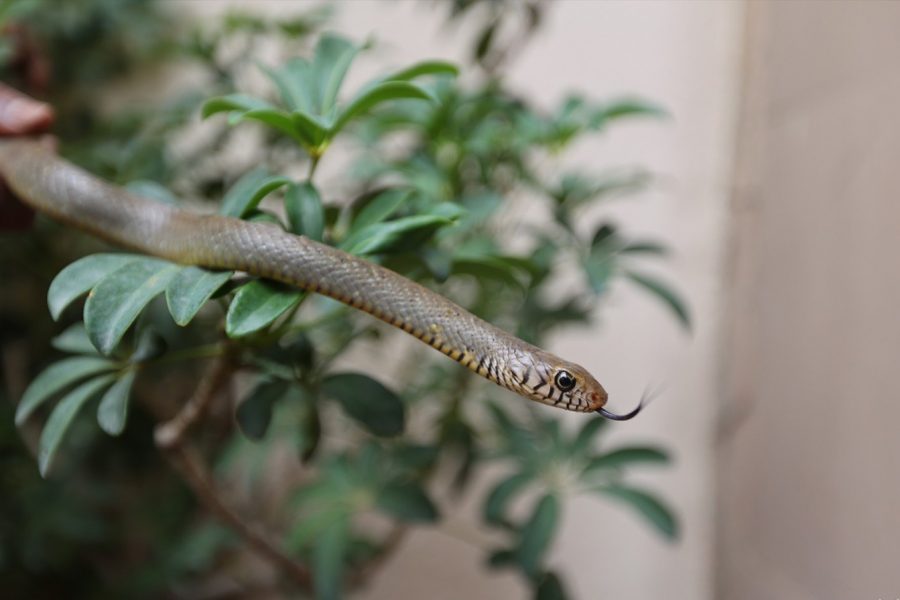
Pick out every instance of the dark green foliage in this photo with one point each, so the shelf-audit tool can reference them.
(550, 588)
(308, 92)
(547, 460)
(190, 289)
(537, 533)
(303, 206)
(255, 411)
(113, 409)
(647, 505)
(406, 502)
(79, 277)
(56, 378)
(116, 301)
(374, 406)
(438, 210)
(256, 305)
(248, 191)
(63, 414)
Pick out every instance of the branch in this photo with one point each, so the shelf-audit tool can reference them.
(195, 474)
(169, 435)
(170, 439)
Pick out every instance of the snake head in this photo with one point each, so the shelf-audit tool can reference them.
(549, 380)
(584, 390)
(576, 389)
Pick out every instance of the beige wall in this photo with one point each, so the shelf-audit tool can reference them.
(684, 55)
(808, 479)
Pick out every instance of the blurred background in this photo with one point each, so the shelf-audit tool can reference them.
(771, 180)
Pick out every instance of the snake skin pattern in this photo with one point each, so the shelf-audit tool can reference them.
(73, 196)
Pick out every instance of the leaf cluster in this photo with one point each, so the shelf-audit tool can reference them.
(548, 465)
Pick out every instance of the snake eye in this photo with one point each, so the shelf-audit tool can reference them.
(564, 380)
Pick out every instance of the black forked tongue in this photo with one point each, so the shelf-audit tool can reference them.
(614, 417)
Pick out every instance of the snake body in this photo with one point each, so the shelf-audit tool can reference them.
(73, 196)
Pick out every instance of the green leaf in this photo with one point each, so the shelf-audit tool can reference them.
(537, 533)
(330, 64)
(80, 276)
(380, 208)
(74, 340)
(152, 191)
(385, 237)
(550, 588)
(647, 505)
(57, 377)
(653, 248)
(600, 268)
(14, 10)
(501, 495)
(372, 96)
(113, 410)
(248, 108)
(304, 24)
(256, 305)
(115, 302)
(448, 210)
(303, 206)
(282, 121)
(62, 416)
(617, 459)
(309, 433)
(489, 268)
(328, 559)
(501, 558)
(626, 107)
(414, 457)
(233, 102)
(372, 405)
(584, 441)
(258, 215)
(255, 412)
(312, 128)
(484, 41)
(605, 238)
(420, 69)
(664, 293)
(406, 502)
(150, 345)
(190, 289)
(249, 190)
(296, 84)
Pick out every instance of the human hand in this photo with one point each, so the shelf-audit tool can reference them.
(20, 115)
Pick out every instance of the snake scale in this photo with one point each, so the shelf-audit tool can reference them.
(71, 195)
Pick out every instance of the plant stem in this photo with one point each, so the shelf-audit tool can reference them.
(194, 353)
(198, 478)
(169, 434)
(170, 439)
(313, 163)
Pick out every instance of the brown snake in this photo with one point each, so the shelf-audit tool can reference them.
(73, 196)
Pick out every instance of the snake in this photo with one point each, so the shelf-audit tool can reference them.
(73, 196)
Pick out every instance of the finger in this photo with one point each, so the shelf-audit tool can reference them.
(20, 114)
